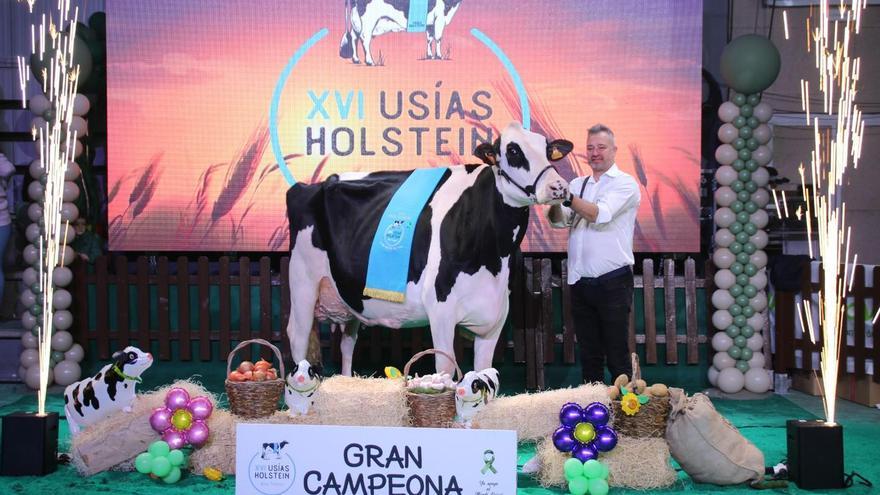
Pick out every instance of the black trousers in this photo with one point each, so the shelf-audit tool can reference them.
(600, 309)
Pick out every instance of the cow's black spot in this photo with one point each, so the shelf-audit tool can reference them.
(89, 397)
(98, 376)
(361, 6)
(401, 5)
(77, 405)
(471, 168)
(478, 232)
(111, 379)
(515, 156)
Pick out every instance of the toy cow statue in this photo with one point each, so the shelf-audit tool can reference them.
(299, 392)
(112, 389)
(473, 392)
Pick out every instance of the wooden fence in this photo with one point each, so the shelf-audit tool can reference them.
(158, 288)
(791, 341)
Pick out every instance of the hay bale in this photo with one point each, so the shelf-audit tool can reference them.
(359, 401)
(535, 416)
(123, 435)
(640, 463)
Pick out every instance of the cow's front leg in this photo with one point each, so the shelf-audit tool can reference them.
(439, 26)
(303, 296)
(349, 339)
(429, 38)
(443, 335)
(354, 47)
(368, 56)
(484, 347)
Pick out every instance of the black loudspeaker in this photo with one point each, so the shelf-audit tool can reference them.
(815, 454)
(30, 444)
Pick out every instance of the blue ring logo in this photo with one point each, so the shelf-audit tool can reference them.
(320, 34)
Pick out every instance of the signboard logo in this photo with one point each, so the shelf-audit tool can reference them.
(271, 471)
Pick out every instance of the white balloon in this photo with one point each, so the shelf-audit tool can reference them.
(722, 299)
(755, 343)
(28, 321)
(69, 212)
(62, 320)
(761, 177)
(35, 212)
(759, 218)
(761, 197)
(71, 192)
(61, 340)
(29, 276)
(757, 360)
(71, 233)
(757, 320)
(75, 353)
(725, 175)
(757, 380)
(721, 342)
(35, 191)
(723, 258)
(730, 380)
(67, 372)
(726, 154)
(21, 372)
(62, 276)
(762, 155)
(721, 319)
(72, 172)
(724, 217)
(77, 149)
(31, 254)
(29, 357)
(759, 302)
(27, 298)
(728, 111)
(758, 258)
(760, 239)
(29, 341)
(759, 280)
(39, 103)
(724, 196)
(713, 376)
(38, 123)
(67, 256)
(32, 233)
(81, 104)
(36, 169)
(79, 126)
(727, 133)
(32, 377)
(724, 238)
(724, 279)
(722, 361)
(762, 134)
(61, 299)
(763, 112)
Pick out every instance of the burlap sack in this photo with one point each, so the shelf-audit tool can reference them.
(708, 447)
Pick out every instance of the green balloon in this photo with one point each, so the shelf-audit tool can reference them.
(36, 288)
(735, 228)
(738, 99)
(746, 353)
(750, 63)
(751, 186)
(735, 310)
(744, 195)
(737, 186)
(750, 291)
(740, 320)
(748, 311)
(159, 449)
(578, 486)
(742, 365)
(173, 476)
(752, 144)
(593, 469)
(737, 206)
(598, 487)
(735, 247)
(744, 154)
(573, 468)
(742, 300)
(739, 341)
(36, 309)
(35, 331)
(746, 111)
(98, 22)
(734, 352)
(750, 269)
(747, 331)
(162, 466)
(739, 121)
(749, 228)
(742, 237)
(144, 463)
(739, 143)
(742, 217)
(736, 268)
(56, 357)
(738, 164)
(744, 175)
(751, 207)
(732, 331)
(753, 99)
(749, 248)
(175, 457)
(735, 290)
(742, 257)
(753, 122)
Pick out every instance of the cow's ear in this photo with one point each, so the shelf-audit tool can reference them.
(557, 149)
(488, 153)
(118, 357)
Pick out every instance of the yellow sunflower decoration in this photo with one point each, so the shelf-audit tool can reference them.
(630, 404)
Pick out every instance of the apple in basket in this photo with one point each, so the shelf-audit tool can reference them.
(247, 371)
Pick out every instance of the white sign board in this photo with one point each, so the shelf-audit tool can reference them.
(352, 460)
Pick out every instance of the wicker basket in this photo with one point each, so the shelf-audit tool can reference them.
(649, 421)
(254, 399)
(431, 410)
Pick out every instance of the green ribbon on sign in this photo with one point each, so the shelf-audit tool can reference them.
(488, 460)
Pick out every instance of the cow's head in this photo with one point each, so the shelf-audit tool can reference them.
(303, 378)
(526, 174)
(132, 361)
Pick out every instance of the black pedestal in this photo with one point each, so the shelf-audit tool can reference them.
(815, 454)
(29, 445)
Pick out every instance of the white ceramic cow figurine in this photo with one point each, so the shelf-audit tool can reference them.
(112, 389)
(299, 392)
(473, 392)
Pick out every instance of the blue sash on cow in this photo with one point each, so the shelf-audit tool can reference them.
(417, 20)
(389, 254)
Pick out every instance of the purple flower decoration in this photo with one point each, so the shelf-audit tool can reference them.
(584, 431)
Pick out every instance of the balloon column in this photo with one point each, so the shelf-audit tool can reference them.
(161, 461)
(749, 64)
(584, 431)
(584, 478)
(181, 420)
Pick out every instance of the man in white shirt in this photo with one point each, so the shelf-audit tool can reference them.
(601, 213)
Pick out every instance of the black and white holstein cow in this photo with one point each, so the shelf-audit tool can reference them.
(463, 242)
(366, 19)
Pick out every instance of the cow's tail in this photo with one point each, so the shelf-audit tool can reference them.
(346, 46)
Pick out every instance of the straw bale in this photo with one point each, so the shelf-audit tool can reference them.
(639, 463)
(360, 401)
(535, 416)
